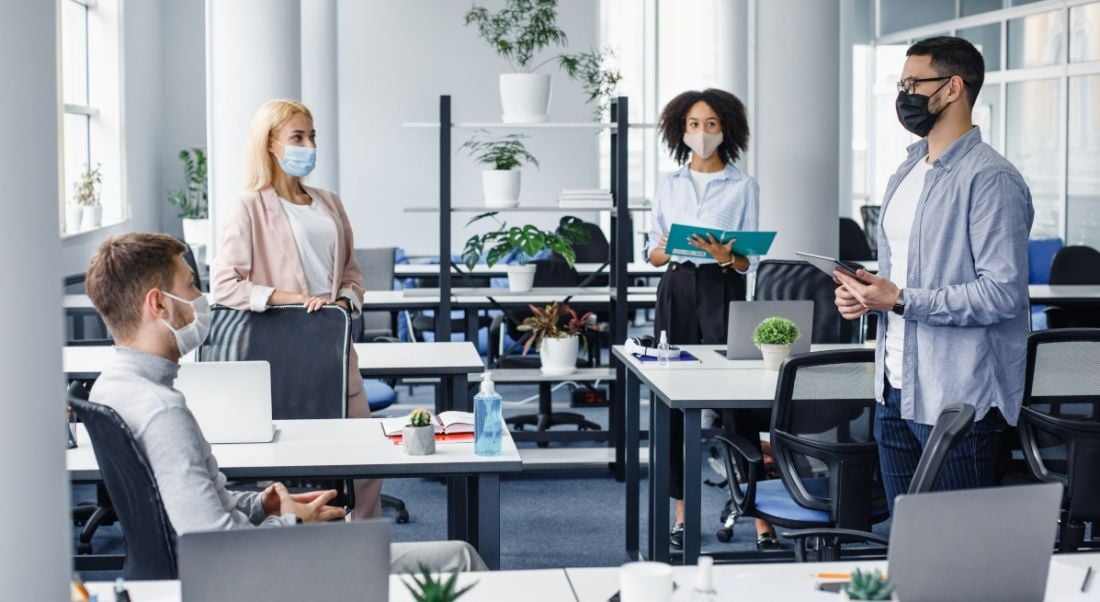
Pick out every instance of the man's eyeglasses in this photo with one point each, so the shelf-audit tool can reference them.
(907, 85)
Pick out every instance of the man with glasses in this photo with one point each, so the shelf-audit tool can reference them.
(951, 290)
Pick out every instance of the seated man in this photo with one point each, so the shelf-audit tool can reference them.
(145, 292)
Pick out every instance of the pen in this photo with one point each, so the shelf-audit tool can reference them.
(1088, 577)
(834, 575)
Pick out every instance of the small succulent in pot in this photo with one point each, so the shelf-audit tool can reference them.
(869, 585)
(419, 435)
(774, 337)
(420, 417)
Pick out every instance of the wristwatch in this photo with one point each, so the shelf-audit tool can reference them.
(899, 305)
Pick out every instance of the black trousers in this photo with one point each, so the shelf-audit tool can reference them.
(693, 307)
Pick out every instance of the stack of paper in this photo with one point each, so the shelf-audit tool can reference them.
(585, 199)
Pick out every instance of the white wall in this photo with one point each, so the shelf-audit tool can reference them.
(395, 60)
(34, 562)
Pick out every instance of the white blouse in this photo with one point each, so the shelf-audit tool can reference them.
(315, 235)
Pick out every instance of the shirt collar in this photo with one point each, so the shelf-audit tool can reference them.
(730, 172)
(956, 151)
(153, 367)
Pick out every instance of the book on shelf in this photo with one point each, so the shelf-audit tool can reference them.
(450, 427)
(585, 199)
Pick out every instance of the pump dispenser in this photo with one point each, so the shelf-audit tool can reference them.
(488, 418)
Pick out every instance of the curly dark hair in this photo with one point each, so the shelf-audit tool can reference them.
(731, 116)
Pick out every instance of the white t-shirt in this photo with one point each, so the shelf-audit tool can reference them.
(700, 179)
(897, 223)
(315, 235)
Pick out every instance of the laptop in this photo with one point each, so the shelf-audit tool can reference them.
(230, 400)
(745, 316)
(325, 561)
(974, 544)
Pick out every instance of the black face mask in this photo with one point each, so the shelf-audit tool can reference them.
(913, 112)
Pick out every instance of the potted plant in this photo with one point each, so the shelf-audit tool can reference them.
(426, 588)
(419, 434)
(500, 183)
(774, 337)
(86, 199)
(524, 244)
(556, 331)
(520, 31)
(192, 201)
(868, 585)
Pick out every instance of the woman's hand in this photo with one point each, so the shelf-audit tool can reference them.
(314, 303)
(722, 253)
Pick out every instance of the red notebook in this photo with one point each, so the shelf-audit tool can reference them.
(450, 427)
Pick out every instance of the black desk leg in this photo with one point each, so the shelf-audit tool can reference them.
(618, 418)
(630, 465)
(658, 483)
(471, 316)
(692, 494)
(456, 397)
(487, 516)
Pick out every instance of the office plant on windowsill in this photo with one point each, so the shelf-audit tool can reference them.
(523, 243)
(505, 155)
(192, 201)
(85, 212)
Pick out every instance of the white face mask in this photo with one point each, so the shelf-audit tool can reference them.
(703, 144)
(192, 334)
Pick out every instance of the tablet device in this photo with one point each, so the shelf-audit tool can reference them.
(828, 264)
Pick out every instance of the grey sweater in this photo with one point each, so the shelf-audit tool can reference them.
(138, 386)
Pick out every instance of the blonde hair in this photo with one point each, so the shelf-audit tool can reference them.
(259, 163)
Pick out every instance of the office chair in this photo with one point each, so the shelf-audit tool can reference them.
(783, 280)
(822, 437)
(150, 539)
(870, 215)
(308, 354)
(378, 269)
(189, 257)
(1074, 264)
(1060, 424)
(853, 242)
(952, 425)
(90, 515)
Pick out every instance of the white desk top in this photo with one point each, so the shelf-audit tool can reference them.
(326, 448)
(796, 582)
(710, 359)
(424, 359)
(1045, 293)
(549, 585)
(406, 270)
(372, 300)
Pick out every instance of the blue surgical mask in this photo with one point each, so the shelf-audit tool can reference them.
(298, 161)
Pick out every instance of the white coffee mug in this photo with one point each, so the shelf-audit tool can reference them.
(645, 582)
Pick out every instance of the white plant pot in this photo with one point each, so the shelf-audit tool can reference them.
(500, 187)
(559, 356)
(524, 97)
(419, 440)
(74, 217)
(91, 217)
(520, 278)
(774, 355)
(196, 231)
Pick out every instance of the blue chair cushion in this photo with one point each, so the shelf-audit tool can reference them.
(772, 499)
(379, 395)
(1040, 256)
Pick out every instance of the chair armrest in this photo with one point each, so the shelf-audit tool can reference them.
(743, 447)
(385, 340)
(745, 502)
(841, 535)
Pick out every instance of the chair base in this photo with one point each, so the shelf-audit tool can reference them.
(389, 501)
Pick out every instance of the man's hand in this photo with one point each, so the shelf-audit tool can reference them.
(850, 308)
(309, 506)
(874, 293)
(722, 253)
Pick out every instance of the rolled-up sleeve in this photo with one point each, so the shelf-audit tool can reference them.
(998, 224)
(351, 278)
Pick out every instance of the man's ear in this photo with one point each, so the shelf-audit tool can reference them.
(956, 88)
(155, 303)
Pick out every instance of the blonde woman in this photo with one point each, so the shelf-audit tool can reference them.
(286, 243)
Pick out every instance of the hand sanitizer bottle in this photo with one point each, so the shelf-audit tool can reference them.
(662, 350)
(704, 582)
(488, 419)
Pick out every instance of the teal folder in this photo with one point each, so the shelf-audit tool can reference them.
(746, 243)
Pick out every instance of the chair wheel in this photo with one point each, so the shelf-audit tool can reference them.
(402, 517)
(84, 548)
(724, 534)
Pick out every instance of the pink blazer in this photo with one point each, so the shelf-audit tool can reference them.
(257, 253)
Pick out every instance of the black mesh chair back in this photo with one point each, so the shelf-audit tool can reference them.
(377, 266)
(135, 498)
(1076, 264)
(1060, 420)
(189, 257)
(853, 242)
(953, 423)
(597, 249)
(555, 273)
(870, 214)
(308, 353)
(783, 280)
(823, 434)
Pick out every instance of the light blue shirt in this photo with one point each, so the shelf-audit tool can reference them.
(731, 202)
(966, 302)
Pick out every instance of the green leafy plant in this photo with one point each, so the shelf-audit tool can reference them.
(420, 417)
(519, 31)
(426, 588)
(554, 321)
(775, 331)
(528, 240)
(867, 585)
(86, 188)
(593, 70)
(503, 153)
(192, 201)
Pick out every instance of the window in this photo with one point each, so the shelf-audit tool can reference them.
(90, 121)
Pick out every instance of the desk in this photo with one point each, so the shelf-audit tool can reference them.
(1063, 294)
(549, 585)
(713, 382)
(76, 305)
(427, 270)
(346, 449)
(451, 361)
